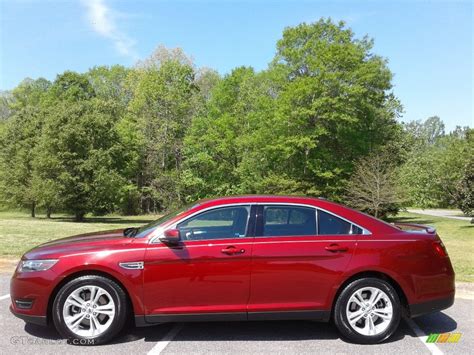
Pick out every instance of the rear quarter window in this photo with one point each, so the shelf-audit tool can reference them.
(330, 224)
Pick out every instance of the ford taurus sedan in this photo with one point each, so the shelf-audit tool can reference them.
(238, 259)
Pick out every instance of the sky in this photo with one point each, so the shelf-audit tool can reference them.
(428, 44)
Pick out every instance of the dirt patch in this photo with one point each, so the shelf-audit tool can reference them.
(8, 264)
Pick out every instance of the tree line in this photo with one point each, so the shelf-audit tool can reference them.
(321, 120)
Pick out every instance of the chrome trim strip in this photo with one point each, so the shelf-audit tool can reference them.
(207, 245)
(132, 265)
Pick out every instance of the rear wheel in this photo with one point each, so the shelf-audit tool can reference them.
(367, 311)
(91, 309)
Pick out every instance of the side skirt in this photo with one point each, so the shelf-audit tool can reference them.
(143, 321)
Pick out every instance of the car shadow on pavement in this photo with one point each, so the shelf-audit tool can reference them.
(437, 322)
(252, 331)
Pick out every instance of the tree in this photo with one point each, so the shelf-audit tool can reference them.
(372, 187)
(159, 115)
(298, 127)
(465, 190)
(19, 139)
(111, 84)
(6, 99)
(79, 154)
(334, 105)
(222, 146)
(464, 194)
(426, 132)
(434, 165)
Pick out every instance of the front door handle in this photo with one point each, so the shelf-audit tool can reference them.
(232, 250)
(334, 248)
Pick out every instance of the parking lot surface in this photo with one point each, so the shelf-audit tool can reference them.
(280, 337)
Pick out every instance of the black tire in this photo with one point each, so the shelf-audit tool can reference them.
(340, 316)
(121, 309)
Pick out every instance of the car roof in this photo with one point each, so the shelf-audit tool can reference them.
(333, 207)
(258, 198)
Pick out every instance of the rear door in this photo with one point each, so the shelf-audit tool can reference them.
(298, 255)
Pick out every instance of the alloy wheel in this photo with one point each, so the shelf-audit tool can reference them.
(369, 311)
(89, 311)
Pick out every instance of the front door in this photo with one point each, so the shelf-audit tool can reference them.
(208, 273)
(294, 267)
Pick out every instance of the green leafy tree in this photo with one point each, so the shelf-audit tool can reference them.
(298, 127)
(434, 165)
(465, 190)
(79, 154)
(335, 105)
(464, 194)
(159, 114)
(17, 146)
(222, 146)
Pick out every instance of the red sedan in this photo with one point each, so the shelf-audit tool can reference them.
(238, 258)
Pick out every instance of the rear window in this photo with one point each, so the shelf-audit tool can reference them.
(289, 221)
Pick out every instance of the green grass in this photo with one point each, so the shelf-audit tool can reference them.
(19, 233)
(458, 237)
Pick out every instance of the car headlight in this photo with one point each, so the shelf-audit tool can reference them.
(36, 265)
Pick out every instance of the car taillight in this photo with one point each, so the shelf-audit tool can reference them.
(440, 249)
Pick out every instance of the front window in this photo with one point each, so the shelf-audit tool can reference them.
(219, 223)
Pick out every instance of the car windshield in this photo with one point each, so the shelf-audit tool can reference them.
(144, 230)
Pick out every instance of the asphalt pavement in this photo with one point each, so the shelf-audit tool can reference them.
(278, 337)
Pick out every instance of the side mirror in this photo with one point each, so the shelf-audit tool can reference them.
(171, 237)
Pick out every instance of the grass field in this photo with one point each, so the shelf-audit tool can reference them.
(19, 233)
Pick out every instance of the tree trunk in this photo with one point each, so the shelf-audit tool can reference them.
(79, 216)
(33, 209)
(49, 210)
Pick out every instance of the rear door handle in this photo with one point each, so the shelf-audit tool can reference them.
(231, 250)
(334, 248)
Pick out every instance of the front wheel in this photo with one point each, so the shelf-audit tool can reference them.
(367, 311)
(90, 310)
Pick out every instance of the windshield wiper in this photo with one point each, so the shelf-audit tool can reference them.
(130, 232)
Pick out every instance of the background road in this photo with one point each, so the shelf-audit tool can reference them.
(242, 337)
(438, 212)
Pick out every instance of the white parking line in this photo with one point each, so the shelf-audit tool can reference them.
(4, 297)
(163, 343)
(422, 336)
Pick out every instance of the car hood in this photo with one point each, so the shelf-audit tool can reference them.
(78, 244)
